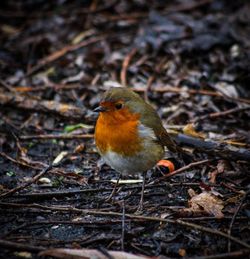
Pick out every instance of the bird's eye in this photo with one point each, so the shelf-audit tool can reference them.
(118, 106)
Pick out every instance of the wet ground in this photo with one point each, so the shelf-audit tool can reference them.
(190, 60)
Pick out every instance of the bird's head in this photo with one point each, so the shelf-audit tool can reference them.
(120, 104)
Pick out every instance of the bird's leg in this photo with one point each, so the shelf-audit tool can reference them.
(114, 189)
(140, 207)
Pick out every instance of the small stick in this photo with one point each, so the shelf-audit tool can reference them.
(62, 52)
(220, 114)
(191, 91)
(182, 169)
(149, 84)
(130, 216)
(140, 207)
(235, 254)
(114, 189)
(20, 247)
(44, 195)
(19, 162)
(123, 225)
(58, 136)
(234, 217)
(33, 180)
(125, 65)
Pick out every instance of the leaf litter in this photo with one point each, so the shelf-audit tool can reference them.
(190, 60)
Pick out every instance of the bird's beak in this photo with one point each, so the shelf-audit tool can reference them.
(100, 109)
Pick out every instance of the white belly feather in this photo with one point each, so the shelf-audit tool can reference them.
(140, 162)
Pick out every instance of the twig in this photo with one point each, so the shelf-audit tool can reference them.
(52, 86)
(180, 8)
(210, 218)
(48, 241)
(13, 230)
(182, 169)
(125, 65)
(33, 180)
(44, 195)
(57, 136)
(234, 217)
(87, 224)
(148, 86)
(19, 162)
(114, 189)
(28, 103)
(178, 90)
(20, 247)
(236, 254)
(64, 11)
(220, 114)
(6, 86)
(59, 53)
(123, 226)
(189, 7)
(130, 216)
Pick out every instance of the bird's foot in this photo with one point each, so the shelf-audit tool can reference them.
(114, 190)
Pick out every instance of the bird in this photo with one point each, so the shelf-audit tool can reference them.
(129, 134)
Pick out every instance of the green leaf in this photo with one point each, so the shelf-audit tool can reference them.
(11, 173)
(70, 128)
(54, 141)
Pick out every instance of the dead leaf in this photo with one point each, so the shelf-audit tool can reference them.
(205, 202)
(79, 148)
(227, 89)
(182, 252)
(10, 30)
(23, 254)
(88, 254)
(235, 199)
(60, 157)
(220, 168)
(44, 180)
(190, 130)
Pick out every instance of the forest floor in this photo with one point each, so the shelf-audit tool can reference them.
(191, 61)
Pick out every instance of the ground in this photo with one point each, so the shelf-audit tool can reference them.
(190, 60)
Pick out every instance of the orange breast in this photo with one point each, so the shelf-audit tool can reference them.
(117, 131)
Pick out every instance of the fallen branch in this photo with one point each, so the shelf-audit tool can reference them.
(130, 216)
(223, 150)
(27, 103)
(215, 148)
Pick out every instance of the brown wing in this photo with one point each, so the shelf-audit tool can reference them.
(151, 119)
(167, 141)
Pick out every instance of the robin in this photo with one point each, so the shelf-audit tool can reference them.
(129, 134)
